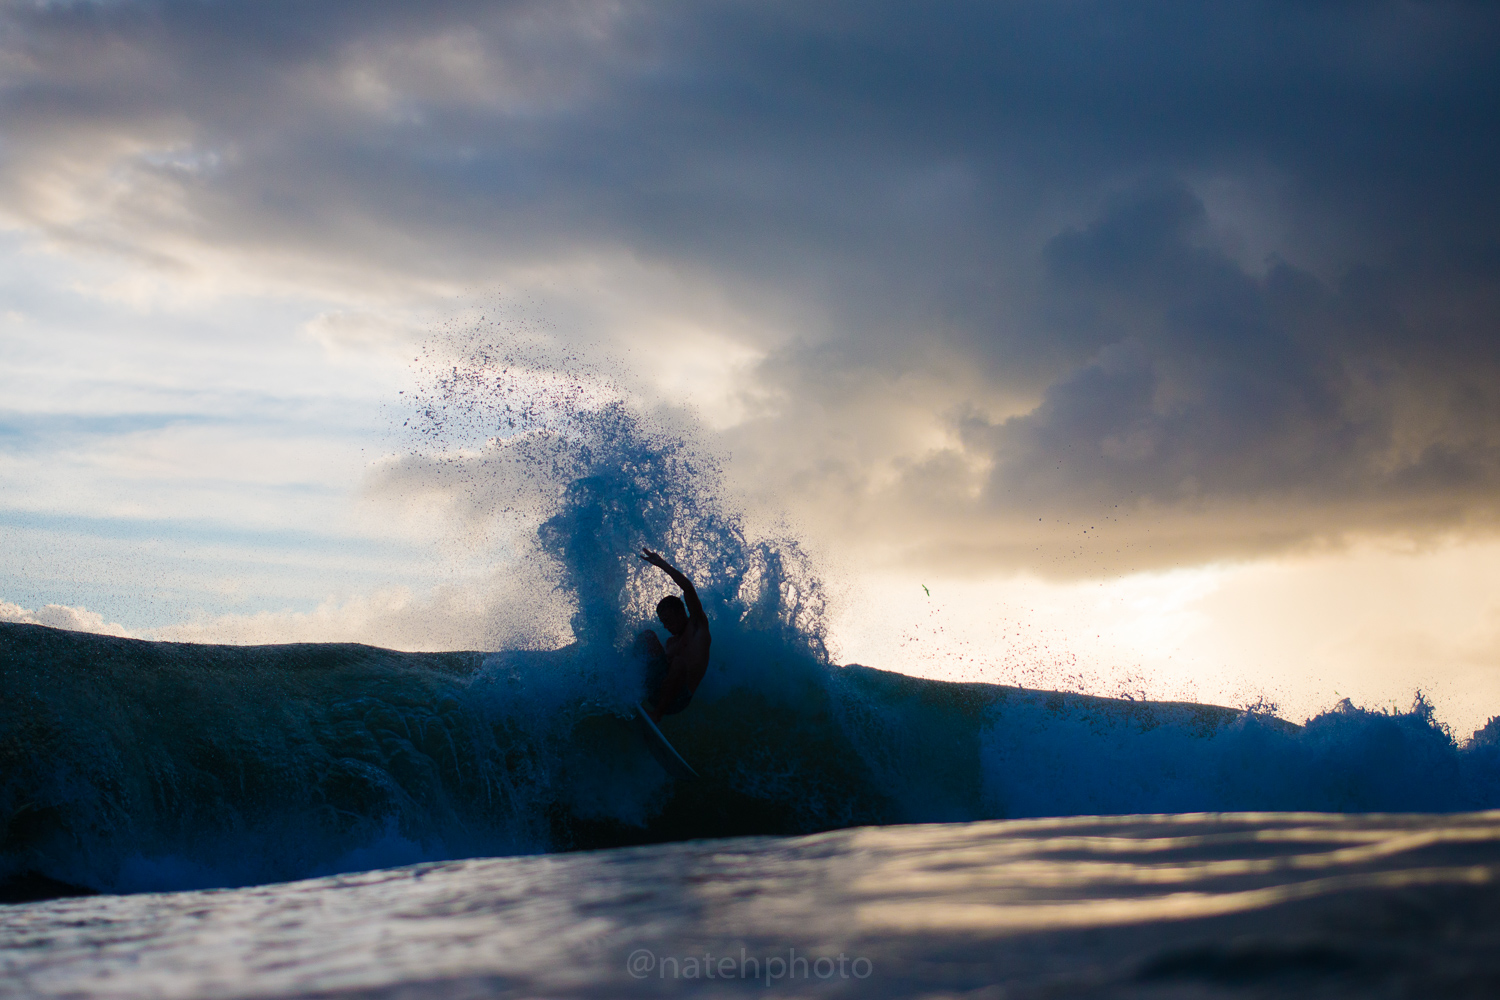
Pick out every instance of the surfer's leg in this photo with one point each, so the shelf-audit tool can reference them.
(679, 703)
(648, 648)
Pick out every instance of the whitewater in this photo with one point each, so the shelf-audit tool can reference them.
(186, 820)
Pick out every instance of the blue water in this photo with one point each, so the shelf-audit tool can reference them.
(128, 765)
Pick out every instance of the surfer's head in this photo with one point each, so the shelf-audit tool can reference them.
(673, 614)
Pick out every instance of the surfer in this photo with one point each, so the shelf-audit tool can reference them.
(673, 671)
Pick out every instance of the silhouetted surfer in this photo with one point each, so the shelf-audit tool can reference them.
(673, 671)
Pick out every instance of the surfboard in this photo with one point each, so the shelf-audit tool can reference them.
(670, 760)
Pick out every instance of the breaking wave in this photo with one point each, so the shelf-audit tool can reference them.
(128, 765)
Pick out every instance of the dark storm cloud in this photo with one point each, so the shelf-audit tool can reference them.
(1328, 407)
(1231, 268)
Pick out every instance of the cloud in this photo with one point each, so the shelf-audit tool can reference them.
(63, 617)
(513, 612)
(1072, 288)
(1219, 413)
(516, 611)
(342, 332)
(1212, 383)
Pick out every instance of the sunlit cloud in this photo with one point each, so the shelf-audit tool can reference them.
(63, 617)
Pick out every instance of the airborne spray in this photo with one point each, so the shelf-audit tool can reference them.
(544, 438)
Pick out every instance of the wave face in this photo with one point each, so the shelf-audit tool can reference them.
(129, 765)
(133, 765)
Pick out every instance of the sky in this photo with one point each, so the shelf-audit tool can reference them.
(1144, 349)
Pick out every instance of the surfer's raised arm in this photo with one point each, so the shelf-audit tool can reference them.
(689, 592)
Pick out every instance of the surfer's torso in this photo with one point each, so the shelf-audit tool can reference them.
(688, 652)
(683, 660)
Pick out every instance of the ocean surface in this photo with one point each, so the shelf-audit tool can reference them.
(1246, 905)
(339, 820)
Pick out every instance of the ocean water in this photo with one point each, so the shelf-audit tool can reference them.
(1245, 905)
(515, 838)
